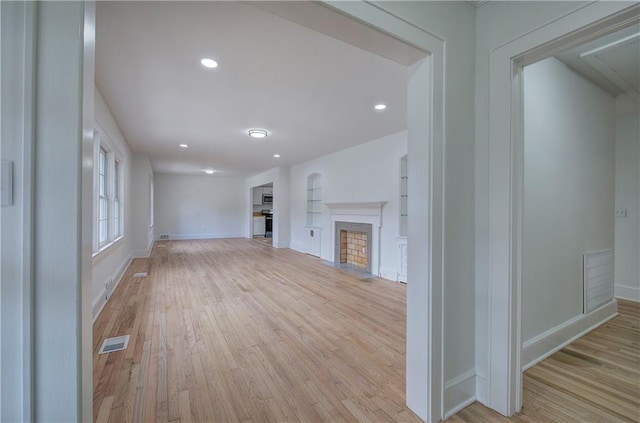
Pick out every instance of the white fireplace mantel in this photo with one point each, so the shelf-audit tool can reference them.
(359, 212)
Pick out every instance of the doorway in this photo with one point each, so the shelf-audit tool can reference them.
(508, 195)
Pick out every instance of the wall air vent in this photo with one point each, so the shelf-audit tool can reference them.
(108, 289)
(598, 279)
(118, 343)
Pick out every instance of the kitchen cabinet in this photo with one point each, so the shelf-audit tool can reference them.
(258, 192)
(257, 196)
(258, 225)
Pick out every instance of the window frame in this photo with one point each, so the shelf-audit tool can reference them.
(114, 193)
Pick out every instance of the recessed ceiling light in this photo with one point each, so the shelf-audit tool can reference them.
(208, 171)
(257, 133)
(209, 63)
(184, 145)
(276, 155)
(380, 106)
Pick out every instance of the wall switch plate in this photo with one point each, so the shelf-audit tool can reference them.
(6, 183)
(621, 212)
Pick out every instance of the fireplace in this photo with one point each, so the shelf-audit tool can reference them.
(356, 235)
(353, 245)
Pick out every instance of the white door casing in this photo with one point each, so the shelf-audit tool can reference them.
(506, 181)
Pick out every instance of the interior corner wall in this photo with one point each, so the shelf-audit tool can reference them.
(627, 228)
(141, 187)
(111, 263)
(569, 169)
(198, 206)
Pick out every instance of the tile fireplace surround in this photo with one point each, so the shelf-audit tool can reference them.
(342, 250)
(365, 217)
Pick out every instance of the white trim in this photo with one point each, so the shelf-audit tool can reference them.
(99, 301)
(143, 253)
(459, 392)
(278, 245)
(297, 246)
(389, 274)
(625, 292)
(183, 237)
(482, 388)
(505, 189)
(544, 345)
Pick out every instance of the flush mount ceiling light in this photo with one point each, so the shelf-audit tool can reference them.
(208, 171)
(276, 155)
(257, 133)
(380, 106)
(209, 63)
(183, 146)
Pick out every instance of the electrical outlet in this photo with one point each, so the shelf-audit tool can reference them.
(621, 212)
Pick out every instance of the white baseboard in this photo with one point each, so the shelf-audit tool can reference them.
(142, 253)
(99, 302)
(459, 392)
(390, 274)
(298, 246)
(627, 292)
(283, 245)
(184, 237)
(482, 389)
(553, 340)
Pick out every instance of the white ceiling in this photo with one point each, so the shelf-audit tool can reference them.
(313, 93)
(612, 62)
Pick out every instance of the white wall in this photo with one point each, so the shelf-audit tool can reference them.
(14, 265)
(569, 173)
(141, 186)
(198, 207)
(367, 172)
(111, 263)
(627, 229)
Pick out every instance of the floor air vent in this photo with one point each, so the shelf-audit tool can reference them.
(140, 275)
(118, 343)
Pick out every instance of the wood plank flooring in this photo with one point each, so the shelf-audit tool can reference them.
(594, 379)
(235, 330)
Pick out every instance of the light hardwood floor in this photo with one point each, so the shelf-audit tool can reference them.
(235, 330)
(594, 379)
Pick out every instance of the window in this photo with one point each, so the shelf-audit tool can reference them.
(108, 199)
(117, 224)
(103, 199)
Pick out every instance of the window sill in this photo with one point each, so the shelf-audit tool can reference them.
(106, 247)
